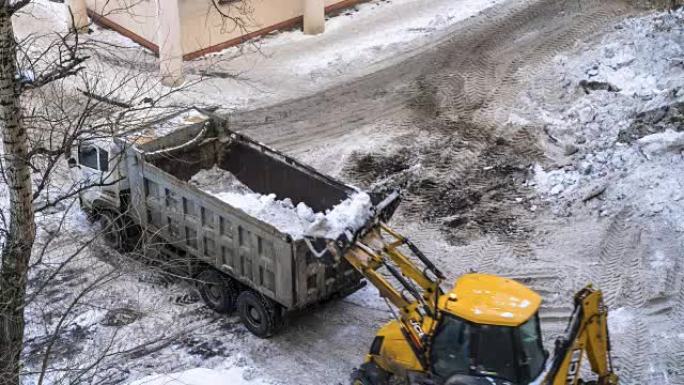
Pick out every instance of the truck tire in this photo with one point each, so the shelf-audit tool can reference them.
(217, 291)
(131, 234)
(111, 230)
(259, 314)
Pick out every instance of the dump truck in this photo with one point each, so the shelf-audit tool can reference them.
(136, 183)
(482, 329)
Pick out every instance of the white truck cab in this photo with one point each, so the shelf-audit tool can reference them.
(96, 166)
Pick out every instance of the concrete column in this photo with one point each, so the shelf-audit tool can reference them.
(169, 41)
(79, 11)
(314, 17)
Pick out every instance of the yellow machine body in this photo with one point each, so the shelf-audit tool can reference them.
(478, 298)
(489, 299)
(402, 347)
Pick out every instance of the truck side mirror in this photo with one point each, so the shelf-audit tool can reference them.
(72, 163)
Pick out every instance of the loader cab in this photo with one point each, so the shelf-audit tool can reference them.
(488, 329)
(465, 353)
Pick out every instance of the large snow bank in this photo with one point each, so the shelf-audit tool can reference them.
(199, 376)
(297, 220)
(614, 113)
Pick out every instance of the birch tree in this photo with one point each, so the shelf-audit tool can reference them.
(18, 236)
(42, 114)
(18, 242)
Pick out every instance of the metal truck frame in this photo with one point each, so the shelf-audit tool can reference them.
(240, 262)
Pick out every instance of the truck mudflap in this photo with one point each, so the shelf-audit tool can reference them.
(329, 250)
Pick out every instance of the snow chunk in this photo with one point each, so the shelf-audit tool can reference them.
(554, 182)
(199, 376)
(350, 213)
(216, 180)
(297, 220)
(662, 142)
(88, 318)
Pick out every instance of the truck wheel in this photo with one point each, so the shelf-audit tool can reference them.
(111, 230)
(259, 314)
(218, 291)
(131, 239)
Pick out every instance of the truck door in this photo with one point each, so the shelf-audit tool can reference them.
(92, 169)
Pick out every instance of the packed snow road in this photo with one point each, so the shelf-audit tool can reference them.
(472, 67)
(451, 126)
(503, 134)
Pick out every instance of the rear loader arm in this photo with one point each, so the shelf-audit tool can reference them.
(587, 335)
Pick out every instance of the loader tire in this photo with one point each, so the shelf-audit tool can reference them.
(369, 374)
(358, 378)
(260, 315)
(217, 291)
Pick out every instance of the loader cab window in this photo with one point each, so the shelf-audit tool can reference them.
(493, 352)
(93, 157)
(514, 354)
(532, 346)
(450, 347)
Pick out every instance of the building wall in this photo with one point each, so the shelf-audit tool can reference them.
(203, 29)
(138, 17)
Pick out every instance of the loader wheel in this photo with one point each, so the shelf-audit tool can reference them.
(259, 314)
(358, 378)
(370, 374)
(218, 291)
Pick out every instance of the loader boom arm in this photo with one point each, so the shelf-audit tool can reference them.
(587, 335)
(412, 289)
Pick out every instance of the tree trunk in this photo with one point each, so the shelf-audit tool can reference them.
(16, 250)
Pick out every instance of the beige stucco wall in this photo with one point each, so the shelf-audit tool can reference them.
(201, 25)
(204, 27)
(137, 16)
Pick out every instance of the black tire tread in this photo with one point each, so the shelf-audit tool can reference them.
(273, 320)
(229, 288)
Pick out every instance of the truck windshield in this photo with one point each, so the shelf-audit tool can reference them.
(511, 353)
(87, 156)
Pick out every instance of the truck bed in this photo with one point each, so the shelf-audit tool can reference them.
(196, 224)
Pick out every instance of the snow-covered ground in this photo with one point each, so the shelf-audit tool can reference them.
(359, 41)
(280, 66)
(605, 207)
(198, 376)
(613, 115)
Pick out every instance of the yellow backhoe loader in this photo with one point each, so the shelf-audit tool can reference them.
(485, 330)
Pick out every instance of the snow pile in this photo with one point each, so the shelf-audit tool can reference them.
(298, 220)
(614, 120)
(199, 376)
(662, 142)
